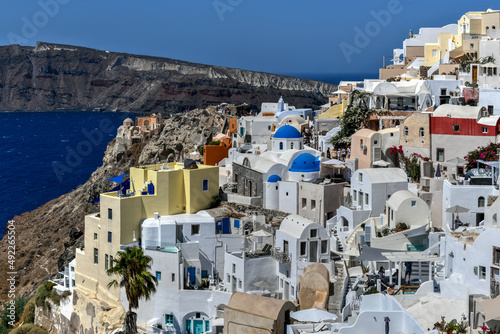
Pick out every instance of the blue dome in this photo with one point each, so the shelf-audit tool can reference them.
(274, 178)
(286, 132)
(305, 163)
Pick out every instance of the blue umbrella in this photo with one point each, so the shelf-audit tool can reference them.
(438, 171)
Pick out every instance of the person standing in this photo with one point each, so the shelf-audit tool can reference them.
(328, 153)
(408, 271)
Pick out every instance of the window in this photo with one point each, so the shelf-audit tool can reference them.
(169, 319)
(300, 145)
(234, 268)
(235, 177)
(375, 142)
(95, 236)
(281, 283)
(228, 279)
(207, 325)
(482, 272)
(110, 237)
(303, 247)
(366, 199)
(456, 127)
(173, 277)
(158, 276)
(285, 246)
(406, 131)
(291, 146)
(110, 213)
(106, 261)
(324, 246)
(269, 128)
(434, 53)
(304, 203)
(195, 229)
(355, 195)
(490, 110)
(281, 145)
(422, 132)
(313, 204)
(313, 233)
(205, 184)
(292, 291)
(440, 154)
(480, 202)
(485, 129)
(239, 284)
(96, 256)
(360, 177)
(413, 203)
(443, 91)
(496, 256)
(110, 261)
(288, 274)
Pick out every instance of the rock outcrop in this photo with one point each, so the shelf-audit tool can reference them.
(63, 77)
(46, 238)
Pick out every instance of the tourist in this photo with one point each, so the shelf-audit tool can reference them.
(338, 153)
(343, 154)
(457, 223)
(381, 273)
(396, 274)
(328, 153)
(348, 153)
(408, 271)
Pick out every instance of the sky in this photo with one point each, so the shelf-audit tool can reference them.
(276, 36)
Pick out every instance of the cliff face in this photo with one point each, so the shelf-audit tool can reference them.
(46, 238)
(54, 77)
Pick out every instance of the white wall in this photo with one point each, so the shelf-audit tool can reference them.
(288, 194)
(490, 97)
(466, 196)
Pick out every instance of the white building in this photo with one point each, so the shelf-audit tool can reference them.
(299, 242)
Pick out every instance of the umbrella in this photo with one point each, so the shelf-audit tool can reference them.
(386, 319)
(333, 162)
(454, 210)
(457, 209)
(264, 284)
(261, 233)
(313, 315)
(340, 92)
(438, 171)
(381, 163)
(491, 308)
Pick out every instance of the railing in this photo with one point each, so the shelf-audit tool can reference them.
(282, 257)
(407, 288)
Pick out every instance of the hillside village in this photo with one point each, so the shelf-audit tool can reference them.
(388, 225)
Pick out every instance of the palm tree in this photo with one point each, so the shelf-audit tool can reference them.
(133, 268)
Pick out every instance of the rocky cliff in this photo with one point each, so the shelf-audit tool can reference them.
(62, 77)
(46, 238)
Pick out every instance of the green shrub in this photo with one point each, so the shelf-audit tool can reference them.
(20, 303)
(45, 291)
(28, 329)
(28, 315)
(214, 142)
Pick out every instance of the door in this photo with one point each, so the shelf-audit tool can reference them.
(479, 218)
(250, 187)
(197, 326)
(234, 284)
(226, 228)
(313, 251)
(192, 275)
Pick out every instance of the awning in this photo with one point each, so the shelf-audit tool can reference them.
(118, 179)
(491, 308)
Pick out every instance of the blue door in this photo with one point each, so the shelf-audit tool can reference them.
(192, 275)
(226, 226)
(197, 326)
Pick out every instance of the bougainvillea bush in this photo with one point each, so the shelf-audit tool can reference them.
(410, 164)
(486, 153)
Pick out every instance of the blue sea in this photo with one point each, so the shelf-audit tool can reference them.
(334, 78)
(47, 154)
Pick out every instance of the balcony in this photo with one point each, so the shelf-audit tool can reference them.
(282, 257)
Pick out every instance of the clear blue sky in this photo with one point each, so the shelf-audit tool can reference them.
(278, 36)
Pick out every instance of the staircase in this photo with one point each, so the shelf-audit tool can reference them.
(340, 247)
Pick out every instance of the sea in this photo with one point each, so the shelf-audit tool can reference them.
(47, 154)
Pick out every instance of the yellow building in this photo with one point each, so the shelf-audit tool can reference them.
(335, 111)
(170, 191)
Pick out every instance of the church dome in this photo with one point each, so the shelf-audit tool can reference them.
(287, 132)
(305, 163)
(274, 178)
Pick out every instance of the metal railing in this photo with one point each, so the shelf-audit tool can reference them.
(282, 257)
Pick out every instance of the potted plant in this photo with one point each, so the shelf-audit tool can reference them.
(401, 227)
(440, 325)
(461, 327)
(451, 326)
